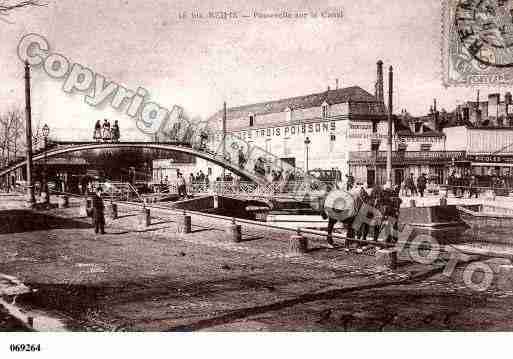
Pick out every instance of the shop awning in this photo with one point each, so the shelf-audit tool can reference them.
(491, 164)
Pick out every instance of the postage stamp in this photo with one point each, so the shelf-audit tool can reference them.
(477, 42)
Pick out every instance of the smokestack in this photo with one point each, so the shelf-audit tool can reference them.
(478, 109)
(390, 110)
(390, 89)
(379, 82)
(336, 84)
(435, 115)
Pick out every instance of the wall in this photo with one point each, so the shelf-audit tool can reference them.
(456, 138)
(414, 143)
(490, 141)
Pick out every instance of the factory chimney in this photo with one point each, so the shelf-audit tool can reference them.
(435, 116)
(379, 82)
(390, 114)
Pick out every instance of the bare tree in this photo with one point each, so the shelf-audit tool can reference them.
(9, 6)
(11, 136)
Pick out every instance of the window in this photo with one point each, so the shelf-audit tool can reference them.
(268, 145)
(374, 127)
(425, 147)
(324, 110)
(500, 122)
(286, 150)
(288, 112)
(333, 137)
(251, 120)
(418, 127)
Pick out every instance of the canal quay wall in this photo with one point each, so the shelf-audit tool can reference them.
(154, 278)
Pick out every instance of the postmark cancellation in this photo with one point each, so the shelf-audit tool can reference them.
(477, 42)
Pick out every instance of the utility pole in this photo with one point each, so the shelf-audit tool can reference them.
(31, 199)
(224, 138)
(389, 137)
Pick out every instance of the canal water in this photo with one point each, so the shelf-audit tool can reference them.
(11, 289)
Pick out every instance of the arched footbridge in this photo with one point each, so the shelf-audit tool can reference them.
(62, 147)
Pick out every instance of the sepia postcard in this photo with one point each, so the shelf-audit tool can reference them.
(328, 167)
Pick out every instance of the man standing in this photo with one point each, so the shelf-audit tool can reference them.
(409, 184)
(421, 184)
(350, 182)
(473, 187)
(182, 189)
(98, 209)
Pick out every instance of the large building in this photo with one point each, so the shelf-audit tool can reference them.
(487, 151)
(316, 131)
(344, 129)
(493, 112)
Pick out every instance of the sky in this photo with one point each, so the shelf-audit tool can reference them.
(200, 63)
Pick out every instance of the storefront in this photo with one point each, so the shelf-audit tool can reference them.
(491, 165)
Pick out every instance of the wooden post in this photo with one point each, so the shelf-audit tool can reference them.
(145, 218)
(87, 207)
(184, 224)
(386, 259)
(113, 211)
(234, 231)
(298, 244)
(63, 201)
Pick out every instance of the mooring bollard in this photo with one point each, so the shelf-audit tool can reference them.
(386, 258)
(443, 201)
(87, 207)
(234, 231)
(144, 218)
(184, 223)
(30, 322)
(298, 244)
(505, 277)
(63, 201)
(412, 203)
(113, 211)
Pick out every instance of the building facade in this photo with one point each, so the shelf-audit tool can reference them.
(316, 131)
(488, 151)
(493, 112)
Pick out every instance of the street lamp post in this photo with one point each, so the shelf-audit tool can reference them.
(307, 148)
(28, 133)
(46, 132)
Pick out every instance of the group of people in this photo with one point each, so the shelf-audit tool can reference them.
(473, 186)
(414, 188)
(379, 205)
(104, 132)
(182, 182)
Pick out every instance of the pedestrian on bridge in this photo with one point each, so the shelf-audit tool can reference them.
(98, 212)
(106, 130)
(115, 132)
(97, 135)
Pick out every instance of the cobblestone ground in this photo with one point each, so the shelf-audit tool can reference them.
(152, 278)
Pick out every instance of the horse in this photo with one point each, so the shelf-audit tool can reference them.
(349, 207)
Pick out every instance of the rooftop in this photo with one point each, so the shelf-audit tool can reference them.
(332, 97)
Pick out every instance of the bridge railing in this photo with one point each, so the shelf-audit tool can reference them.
(272, 189)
